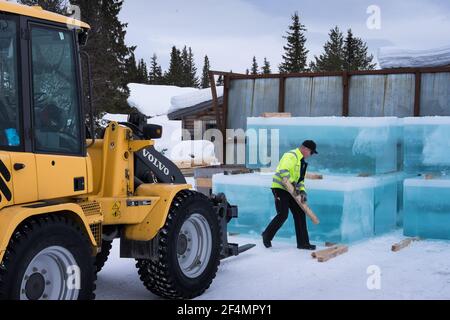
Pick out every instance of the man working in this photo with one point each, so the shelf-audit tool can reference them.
(289, 181)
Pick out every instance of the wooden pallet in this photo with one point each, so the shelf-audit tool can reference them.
(330, 244)
(203, 183)
(314, 176)
(330, 253)
(276, 115)
(404, 244)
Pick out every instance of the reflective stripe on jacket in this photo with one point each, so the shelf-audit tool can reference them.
(292, 166)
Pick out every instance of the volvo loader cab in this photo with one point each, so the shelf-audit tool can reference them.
(65, 198)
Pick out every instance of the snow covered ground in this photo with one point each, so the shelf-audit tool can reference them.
(421, 271)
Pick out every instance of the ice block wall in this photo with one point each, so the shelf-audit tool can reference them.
(345, 145)
(350, 208)
(426, 145)
(427, 208)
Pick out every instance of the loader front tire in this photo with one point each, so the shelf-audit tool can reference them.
(48, 258)
(189, 247)
(103, 255)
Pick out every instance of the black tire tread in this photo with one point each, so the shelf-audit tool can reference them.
(22, 234)
(156, 275)
(103, 255)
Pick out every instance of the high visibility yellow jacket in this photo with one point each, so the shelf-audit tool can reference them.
(292, 166)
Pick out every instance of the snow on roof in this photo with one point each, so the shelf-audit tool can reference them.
(191, 99)
(392, 57)
(154, 100)
(115, 117)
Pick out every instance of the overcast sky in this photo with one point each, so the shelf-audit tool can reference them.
(231, 32)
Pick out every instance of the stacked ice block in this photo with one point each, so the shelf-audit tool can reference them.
(427, 208)
(427, 199)
(427, 144)
(350, 208)
(346, 145)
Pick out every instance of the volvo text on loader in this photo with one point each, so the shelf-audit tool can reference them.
(65, 195)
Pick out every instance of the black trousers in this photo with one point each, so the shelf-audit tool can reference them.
(283, 202)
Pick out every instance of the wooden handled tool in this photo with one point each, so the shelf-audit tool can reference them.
(303, 206)
(308, 211)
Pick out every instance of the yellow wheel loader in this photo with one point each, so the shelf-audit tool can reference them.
(66, 194)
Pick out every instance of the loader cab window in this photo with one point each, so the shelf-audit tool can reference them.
(56, 107)
(9, 89)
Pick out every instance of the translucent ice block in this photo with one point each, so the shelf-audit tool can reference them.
(401, 177)
(345, 145)
(427, 208)
(426, 144)
(386, 202)
(350, 208)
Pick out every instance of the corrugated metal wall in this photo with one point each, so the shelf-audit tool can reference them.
(373, 95)
(382, 95)
(435, 95)
(314, 96)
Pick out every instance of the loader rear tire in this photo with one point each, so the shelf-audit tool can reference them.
(102, 257)
(48, 258)
(189, 247)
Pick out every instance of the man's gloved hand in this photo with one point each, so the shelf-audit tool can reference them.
(303, 197)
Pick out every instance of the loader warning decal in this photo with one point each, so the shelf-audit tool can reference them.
(3, 186)
(116, 209)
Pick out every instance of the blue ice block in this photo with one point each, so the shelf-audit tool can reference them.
(345, 145)
(345, 206)
(426, 144)
(386, 202)
(401, 177)
(427, 208)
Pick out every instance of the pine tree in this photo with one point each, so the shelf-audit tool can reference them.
(194, 82)
(174, 77)
(364, 60)
(266, 67)
(185, 66)
(220, 81)
(132, 69)
(355, 54)
(110, 56)
(333, 57)
(190, 78)
(247, 72)
(255, 66)
(296, 54)
(155, 75)
(205, 74)
(142, 72)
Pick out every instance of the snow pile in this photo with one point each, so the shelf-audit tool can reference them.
(171, 134)
(197, 152)
(171, 130)
(193, 98)
(109, 117)
(392, 57)
(154, 100)
(171, 144)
